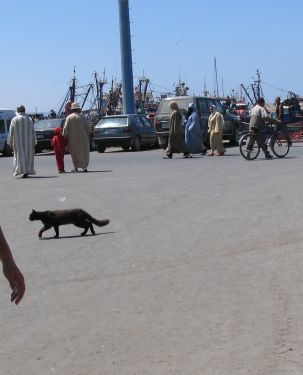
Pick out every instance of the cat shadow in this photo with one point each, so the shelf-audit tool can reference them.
(74, 236)
(90, 171)
(34, 177)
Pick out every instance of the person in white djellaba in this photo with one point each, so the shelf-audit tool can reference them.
(22, 139)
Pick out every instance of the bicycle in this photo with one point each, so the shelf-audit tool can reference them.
(250, 143)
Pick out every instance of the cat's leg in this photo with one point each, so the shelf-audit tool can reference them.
(85, 230)
(91, 227)
(56, 227)
(43, 229)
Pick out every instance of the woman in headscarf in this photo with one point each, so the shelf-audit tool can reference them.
(176, 141)
(193, 133)
(215, 129)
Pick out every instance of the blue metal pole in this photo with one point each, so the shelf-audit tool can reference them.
(126, 59)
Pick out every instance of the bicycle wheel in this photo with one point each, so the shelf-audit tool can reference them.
(249, 146)
(279, 145)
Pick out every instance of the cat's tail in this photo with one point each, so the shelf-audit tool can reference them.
(100, 223)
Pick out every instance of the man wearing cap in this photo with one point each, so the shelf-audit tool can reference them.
(76, 130)
(22, 138)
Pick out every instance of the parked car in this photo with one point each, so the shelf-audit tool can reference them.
(126, 131)
(6, 115)
(232, 123)
(45, 131)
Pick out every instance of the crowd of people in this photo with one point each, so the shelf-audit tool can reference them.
(193, 137)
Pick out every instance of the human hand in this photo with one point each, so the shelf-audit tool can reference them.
(15, 279)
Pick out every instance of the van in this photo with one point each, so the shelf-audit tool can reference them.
(45, 130)
(232, 123)
(6, 116)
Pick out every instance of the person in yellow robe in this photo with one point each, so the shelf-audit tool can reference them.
(215, 129)
(76, 130)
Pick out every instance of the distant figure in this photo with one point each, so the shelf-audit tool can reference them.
(215, 129)
(280, 117)
(67, 108)
(11, 271)
(22, 138)
(227, 103)
(77, 132)
(193, 133)
(59, 143)
(176, 141)
(52, 114)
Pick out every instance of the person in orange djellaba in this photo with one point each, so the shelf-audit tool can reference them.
(59, 143)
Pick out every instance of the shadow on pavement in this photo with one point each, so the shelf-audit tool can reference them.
(34, 177)
(89, 171)
(74, 236)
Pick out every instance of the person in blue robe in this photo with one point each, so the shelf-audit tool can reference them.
(193, 132)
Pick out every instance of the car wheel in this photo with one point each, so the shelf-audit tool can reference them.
(7, 150)
(136, 144)
(101, 148)
(125, 147)
(37, 149)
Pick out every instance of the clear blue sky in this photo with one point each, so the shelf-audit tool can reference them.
(41, 42)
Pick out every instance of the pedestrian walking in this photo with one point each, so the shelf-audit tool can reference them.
(215, 129)
(257, 123)
(76, 131)
(193, 132)
(22, 139)
(176, 141)
(59, 143)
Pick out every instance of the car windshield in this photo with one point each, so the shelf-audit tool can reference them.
(212, 101)
(112, 122)
(182, 102)
(47, 124)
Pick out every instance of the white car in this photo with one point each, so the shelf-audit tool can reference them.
(6, 116)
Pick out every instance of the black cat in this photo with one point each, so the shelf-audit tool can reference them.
(54, 219)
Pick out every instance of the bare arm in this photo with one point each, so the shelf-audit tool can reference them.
(11, 271)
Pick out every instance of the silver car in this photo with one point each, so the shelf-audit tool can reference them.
(127, 131)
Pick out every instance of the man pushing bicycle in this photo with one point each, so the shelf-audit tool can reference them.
(259, 117)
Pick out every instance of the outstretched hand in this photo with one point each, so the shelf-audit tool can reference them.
(15, 279)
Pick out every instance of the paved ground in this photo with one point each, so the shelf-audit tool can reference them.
(199, 271)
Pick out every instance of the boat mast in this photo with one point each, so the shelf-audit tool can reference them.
(72, 87)
(99, 86)
(216, 88)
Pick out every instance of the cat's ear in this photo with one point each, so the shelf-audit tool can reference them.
(33, 210)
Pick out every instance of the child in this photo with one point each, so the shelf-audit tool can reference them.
(59, 143)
